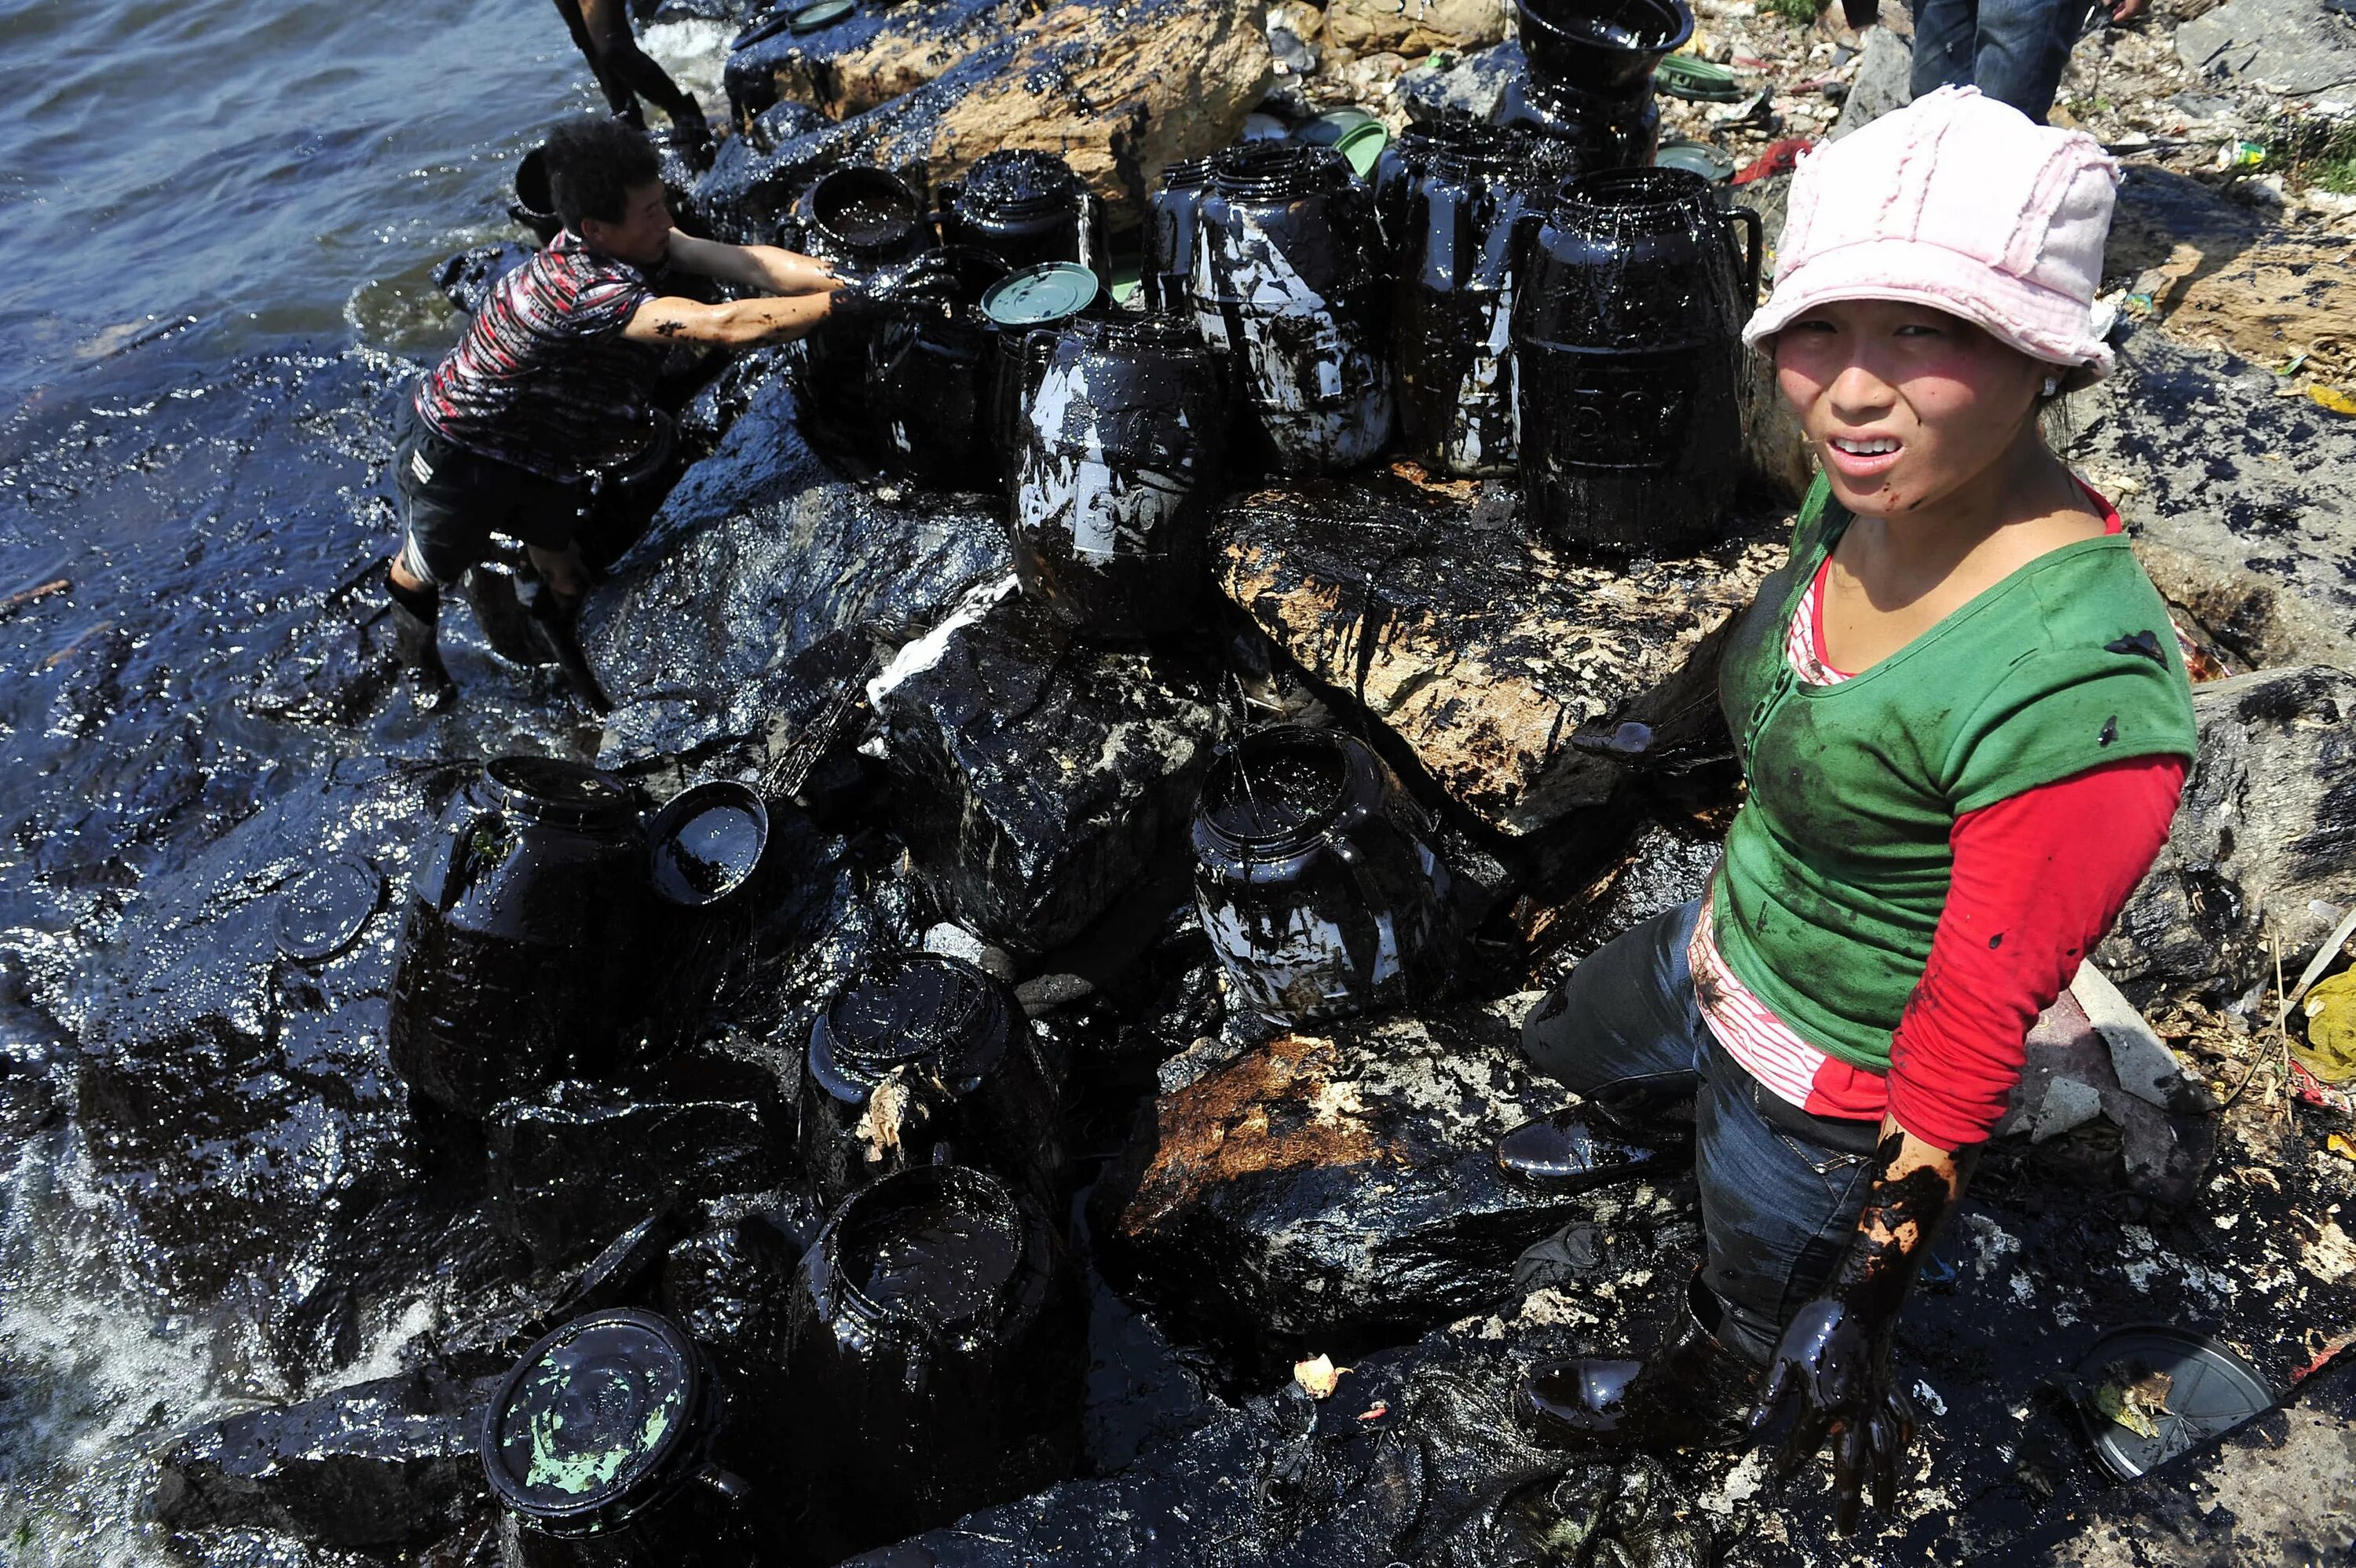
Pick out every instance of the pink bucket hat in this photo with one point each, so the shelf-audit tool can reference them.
(1959, 203)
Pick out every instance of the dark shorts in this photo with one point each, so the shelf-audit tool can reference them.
(1779, 1189)
(454, 500)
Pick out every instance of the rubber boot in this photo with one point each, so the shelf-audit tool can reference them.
(1583, 1146)
(1693, 1393)
(558, 623)
(416, 626)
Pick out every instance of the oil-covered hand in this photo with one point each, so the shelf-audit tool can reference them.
(1831, 1375)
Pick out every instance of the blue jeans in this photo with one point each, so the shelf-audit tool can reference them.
(2012, 50)
(1779, 1189)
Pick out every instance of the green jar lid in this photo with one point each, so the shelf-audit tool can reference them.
(1328, 129)
(1690, 76)
(1036, 295)
(824, 13)
(1363, 146)
(1700, 157)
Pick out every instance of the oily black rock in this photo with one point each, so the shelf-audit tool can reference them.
(1036, 776)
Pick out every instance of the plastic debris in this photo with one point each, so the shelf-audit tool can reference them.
(2331, 1008)
(1318, 1376)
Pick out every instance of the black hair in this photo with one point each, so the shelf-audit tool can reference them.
(594, 163)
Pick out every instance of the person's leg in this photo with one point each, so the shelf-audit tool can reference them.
(1780, 1196)
(1623, 1030)
(618, 96)
(442, 534)
(545, 515)
(1946, 40)
(2023, 48)
(607, 23)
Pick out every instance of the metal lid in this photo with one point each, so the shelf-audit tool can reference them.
(584, 1430)
(708, 841)
(2182, 1387)
(322, 911)
(1051, 291)
(824, 13)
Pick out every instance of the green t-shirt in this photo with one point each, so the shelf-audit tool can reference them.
(1837, 866)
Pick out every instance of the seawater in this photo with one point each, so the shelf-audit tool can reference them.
(206, 208)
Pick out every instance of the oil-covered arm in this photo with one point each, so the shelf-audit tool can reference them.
(1831, 1374)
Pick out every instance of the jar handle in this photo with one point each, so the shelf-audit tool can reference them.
(727, 1483)
(1749, 218)
(453, 867)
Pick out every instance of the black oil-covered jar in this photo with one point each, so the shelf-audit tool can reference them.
(1593, 132)
(929, 371)
(935, 1348)
(1601, 49)
(605, 1448)
(1290, 288)
(1627, 345)
(861, 220)
(950, 1053)
(1119, 475)
(1316, 878)
(1025, 208)
(1460, 209)
(514, 968)
(1172, 211)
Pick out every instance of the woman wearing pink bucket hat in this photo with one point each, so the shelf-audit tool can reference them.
(1963, 721)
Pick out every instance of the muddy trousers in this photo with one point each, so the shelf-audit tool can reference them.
(1779, 1189)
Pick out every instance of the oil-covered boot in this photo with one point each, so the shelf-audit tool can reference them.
(558, 623)
(416, 642)
(1693, 1393)
(1583, 1146)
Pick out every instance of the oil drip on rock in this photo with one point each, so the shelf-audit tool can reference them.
(1316, 880)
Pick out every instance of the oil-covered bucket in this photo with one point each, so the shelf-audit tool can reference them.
(923, 1057)
(535, 202)
(861, 220)
(1596, 131)
(1316, 878)
(1290, 288)
(1027, 309)
(1025, 208)
(934, 1350)
(1459, 207)
(928, 370)
(516, 964)
(705, 850)
(1627, 356)
(1172, 211)
(1606, 49)
(1119, 475)
(605, 1448)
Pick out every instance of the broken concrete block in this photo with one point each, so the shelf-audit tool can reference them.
(2263, 844)
(1338, 1188)
(2141, 1061)
(1035, 776)
(384, 1464)
(1527, 682)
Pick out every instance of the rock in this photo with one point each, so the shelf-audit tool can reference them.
(1417, 28)
(2245, 526)
(1340, 1189)
(581, 1163)
(2140, 1059)
(1467, 89)
(869, 57)
(2070, 1078)
(1121, 89)
(384, 1464)
(2265, 842)
(2293, 46)
(237, 1104)
(1037, 776)
(1528, 684)
(728, 1287)
(1883, 82)
(817, 570)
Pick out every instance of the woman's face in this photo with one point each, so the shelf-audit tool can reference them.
(1905, 405)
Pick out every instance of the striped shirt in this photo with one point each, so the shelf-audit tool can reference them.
(543, 379)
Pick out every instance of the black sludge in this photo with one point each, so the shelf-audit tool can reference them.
(936, 1353)
(1457, 206)
(929, 373)
(1288, 287)
(1172, 213)
(605, 1448)
(513, 969)
(1025, 208)
(1119, 475)
(1316, 878)
(922, 1056)
(1627, 346)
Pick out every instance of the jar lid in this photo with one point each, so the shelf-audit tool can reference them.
(904, 1006)
(584, 1432)
(708, 841)
(2149, 1394)
(552, 788)
(322, 911)
(823, 14)
(1052, 291)
(1363, 146)
(1698, 157)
